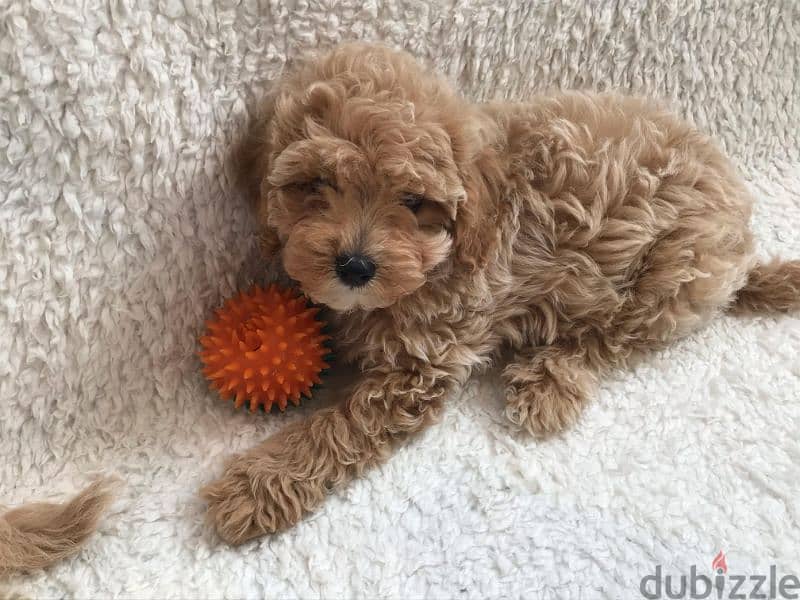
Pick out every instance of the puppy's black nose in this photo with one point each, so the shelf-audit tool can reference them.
(354, 270)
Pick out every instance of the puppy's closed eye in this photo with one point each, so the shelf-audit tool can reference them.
(431, 216)
(311, 186)
(413, 202)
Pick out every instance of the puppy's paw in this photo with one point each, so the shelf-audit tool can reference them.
(543, 410)
(233, 509)
(547, 393)
(257, 497)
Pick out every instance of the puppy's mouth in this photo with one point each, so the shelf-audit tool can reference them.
(342, 298)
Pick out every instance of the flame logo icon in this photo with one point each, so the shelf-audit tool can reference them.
(718, 564)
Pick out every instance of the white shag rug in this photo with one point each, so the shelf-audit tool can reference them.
(119, 231)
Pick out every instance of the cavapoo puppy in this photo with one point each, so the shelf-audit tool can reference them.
(575, 230)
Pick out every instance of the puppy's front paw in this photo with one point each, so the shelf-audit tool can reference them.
(543, 410)
(233, 509)
(546, 393)
(257, 496)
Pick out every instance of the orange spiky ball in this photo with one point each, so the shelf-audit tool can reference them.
(264, 347)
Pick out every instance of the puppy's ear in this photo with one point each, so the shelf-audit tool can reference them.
(476, 215)
(476, 224)
(251, 158)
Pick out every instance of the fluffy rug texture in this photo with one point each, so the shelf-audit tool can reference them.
(120, 231)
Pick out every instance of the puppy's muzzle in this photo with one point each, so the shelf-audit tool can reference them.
(354, 270)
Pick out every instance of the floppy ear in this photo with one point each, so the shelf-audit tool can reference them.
(476, 224)
(476, 235)
(251, 156)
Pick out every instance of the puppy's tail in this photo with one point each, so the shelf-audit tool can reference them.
(770, 288)
(34, 536)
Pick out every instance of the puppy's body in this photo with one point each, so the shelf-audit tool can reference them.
(574, 229)
(616, 227)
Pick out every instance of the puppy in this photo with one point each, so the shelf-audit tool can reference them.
(576, 230)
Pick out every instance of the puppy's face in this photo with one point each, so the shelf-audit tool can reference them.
(362, 187)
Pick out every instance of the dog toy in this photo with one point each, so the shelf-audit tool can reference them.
(265, 346)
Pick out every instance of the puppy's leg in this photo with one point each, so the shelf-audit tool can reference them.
(274, 485)
(547, 388)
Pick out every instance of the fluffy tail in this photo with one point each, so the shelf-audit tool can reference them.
(37, 535)
(773, 287)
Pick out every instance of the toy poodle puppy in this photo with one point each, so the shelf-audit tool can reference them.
(575, 230)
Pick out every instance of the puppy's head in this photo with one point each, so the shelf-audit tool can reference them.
(363, 175)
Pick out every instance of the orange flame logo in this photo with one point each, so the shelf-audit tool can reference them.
(718, 564)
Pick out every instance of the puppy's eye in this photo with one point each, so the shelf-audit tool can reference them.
(313, 186)
(413, 202)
